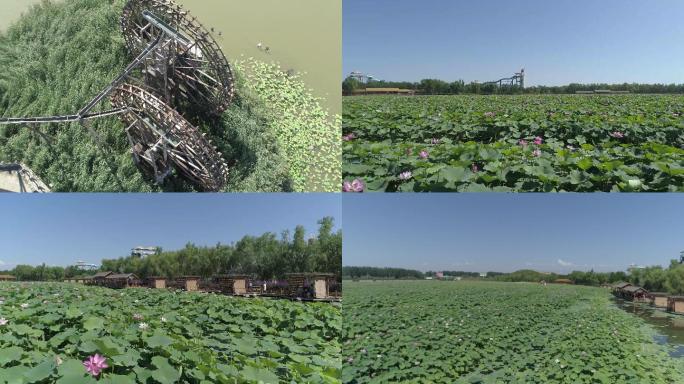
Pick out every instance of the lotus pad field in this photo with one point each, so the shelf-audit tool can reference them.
(159, 336)
(480, 332)
(515, 143)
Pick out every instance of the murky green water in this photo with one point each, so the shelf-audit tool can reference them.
(12, 10)
(670, 327)
(303, 35)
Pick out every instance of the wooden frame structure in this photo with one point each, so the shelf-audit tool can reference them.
(659, 299)
(233, 284)
(634, 293)
(300, 286)
(675, 304)
(191, 283)
(309, 285)
(122, 280)
(157, 282)
(517, 80)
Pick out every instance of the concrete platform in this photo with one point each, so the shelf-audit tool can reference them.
(20, 179)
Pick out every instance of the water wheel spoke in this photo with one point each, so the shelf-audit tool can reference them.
(152, 124)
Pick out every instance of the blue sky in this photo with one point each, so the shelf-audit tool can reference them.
(60, 229)
(507, 232)
(558, 42)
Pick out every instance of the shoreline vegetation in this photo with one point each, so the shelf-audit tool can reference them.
(460, 87)
(59, 54)
(653, 278)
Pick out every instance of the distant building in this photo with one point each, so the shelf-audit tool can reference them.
(7, 278)
(143, 252)
(439, 275)
(84, 266)
(428, 278)
(483, 274)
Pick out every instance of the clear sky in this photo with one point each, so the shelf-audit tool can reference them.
(507, 232)
(556, 41)
(60, 229)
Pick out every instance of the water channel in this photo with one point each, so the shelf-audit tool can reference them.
(669, 326)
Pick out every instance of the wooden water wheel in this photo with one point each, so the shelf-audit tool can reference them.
(162, 140)
(191, 73)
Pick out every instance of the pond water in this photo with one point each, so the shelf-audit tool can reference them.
(669, 326)
(302, 35)
(12, 10)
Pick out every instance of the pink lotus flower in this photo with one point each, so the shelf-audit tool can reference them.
(489, 114)
(617, 135)
(474, 168)
(538, 140)
(423, 154)
(349, 137)
(523, 142)
(536, 153)
(3, 321)
(95, 364)
(355, 186)
(405, 175)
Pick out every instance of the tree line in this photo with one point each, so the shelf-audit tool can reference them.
(659, 279)
(269, 256)
(441, 87)
(380, 273)
(653, 279)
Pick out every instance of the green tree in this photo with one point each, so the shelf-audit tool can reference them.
(349, 85)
